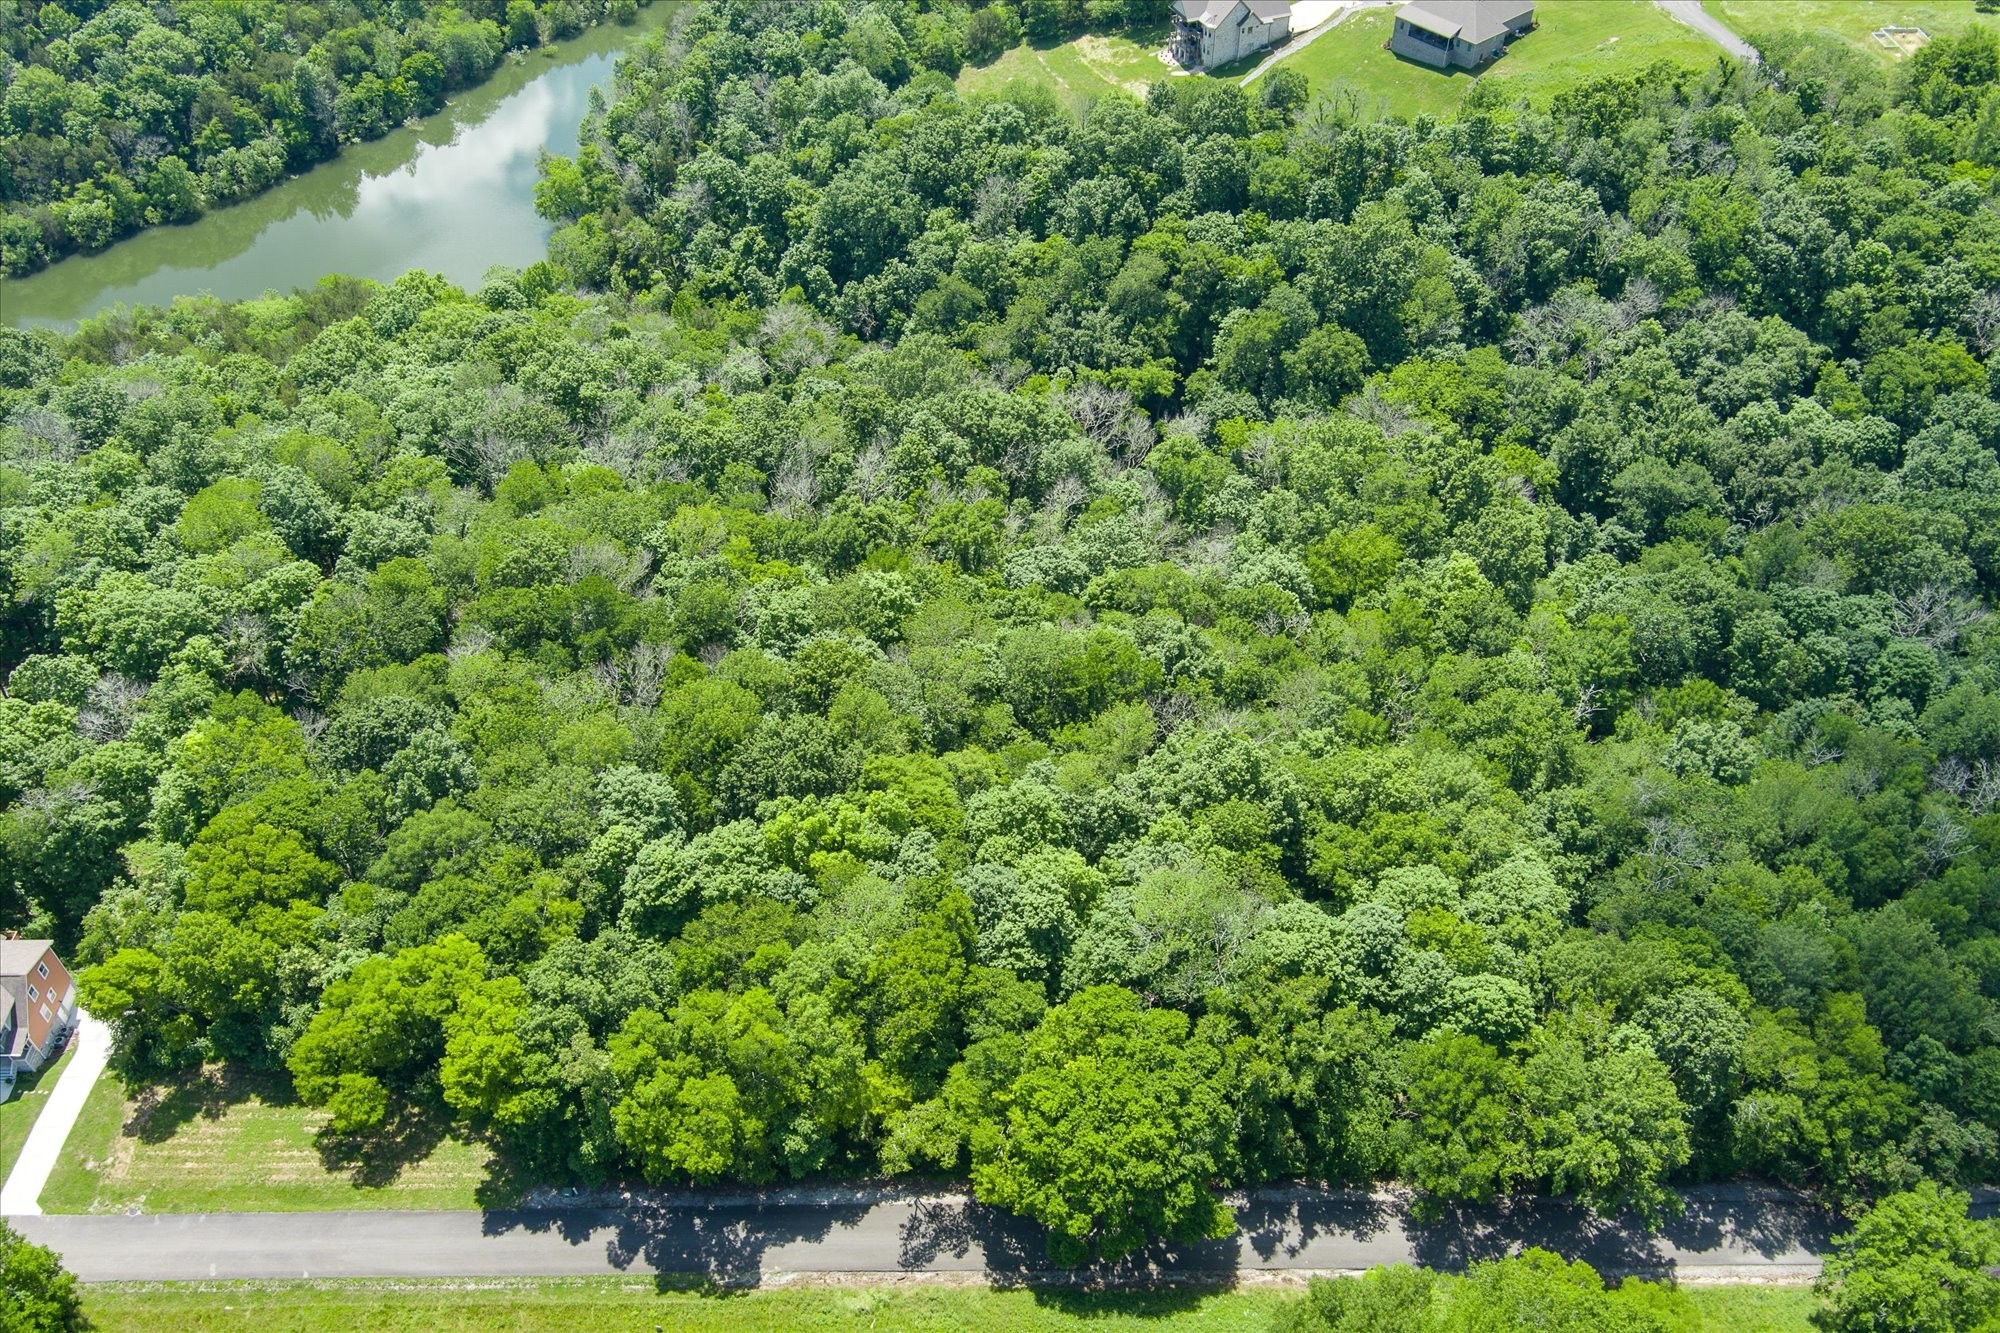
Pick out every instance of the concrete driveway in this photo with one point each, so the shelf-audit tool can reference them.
(1310, 22)
(21, 1195)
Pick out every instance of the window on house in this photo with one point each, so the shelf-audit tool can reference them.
(44, 1011)
(33, 994)
(42, 971)
(1427, 37)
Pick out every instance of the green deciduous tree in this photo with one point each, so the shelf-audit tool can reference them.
(1913, 1264)
(1108, 1135)
(40, 1296)
(1463, 1136)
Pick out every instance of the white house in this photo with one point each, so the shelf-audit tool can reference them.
(1209, 33)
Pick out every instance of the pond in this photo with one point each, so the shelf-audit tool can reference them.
(454, 193)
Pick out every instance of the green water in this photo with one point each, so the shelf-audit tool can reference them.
(453, 194)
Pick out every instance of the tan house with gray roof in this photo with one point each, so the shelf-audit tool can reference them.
(1462, 34)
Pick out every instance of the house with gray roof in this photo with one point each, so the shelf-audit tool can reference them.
(1463, 34)
(37, 1004)
(1211, 33)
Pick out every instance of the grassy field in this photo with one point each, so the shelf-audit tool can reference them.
(234, 1142)
(1576, 39)
(617, 1303)
(1077, 71)
(1851, 19)
(19, 1112)
(1752, 1309)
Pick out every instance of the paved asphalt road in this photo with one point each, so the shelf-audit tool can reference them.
(1691, 13)
(1723, 1230)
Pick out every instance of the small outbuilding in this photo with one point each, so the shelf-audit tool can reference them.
(1462, 34)
(1212, 33)
(37, 1005)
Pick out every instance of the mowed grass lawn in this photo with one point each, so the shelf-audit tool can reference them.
(620, 1303)
(235, 1142)
(1077, 71)
(1575, 40)
(1854, 20)
(20, 1111)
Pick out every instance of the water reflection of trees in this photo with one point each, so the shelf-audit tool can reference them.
(163, 263)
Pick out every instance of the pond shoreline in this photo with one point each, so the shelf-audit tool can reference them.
(452, 192)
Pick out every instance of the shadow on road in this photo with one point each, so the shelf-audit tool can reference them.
(1276, 1229)
(718, 1247)
(729, 1246)
(1762, 1222)
(941, 1229)
(1767, 1220)
(1010, 1251)
(1457, 1237)
(730, 1243)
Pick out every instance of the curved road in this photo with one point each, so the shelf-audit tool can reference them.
(1725, 1232)
(1694, 16)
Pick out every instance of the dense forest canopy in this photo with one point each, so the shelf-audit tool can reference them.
(1208, 643)
(123, 115)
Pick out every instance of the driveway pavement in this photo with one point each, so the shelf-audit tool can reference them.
(1694, 16)
(1724, 1233)
(1308, 26)
(21, 1195)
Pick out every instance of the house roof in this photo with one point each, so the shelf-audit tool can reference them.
(1474, 20)
(17, 956)
(1211, 13)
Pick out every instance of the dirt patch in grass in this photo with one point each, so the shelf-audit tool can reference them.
(1112, 63)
